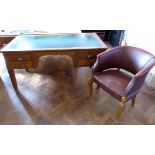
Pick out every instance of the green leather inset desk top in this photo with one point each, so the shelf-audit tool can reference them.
(54, 41)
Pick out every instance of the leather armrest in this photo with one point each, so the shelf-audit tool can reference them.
(138, 80)
(98, 67)
(108, 59)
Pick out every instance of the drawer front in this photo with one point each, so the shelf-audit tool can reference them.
(20, 65)
(17, 57)
(84, 62)
(88, 55)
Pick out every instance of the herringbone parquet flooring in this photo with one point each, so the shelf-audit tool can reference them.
(55, 93)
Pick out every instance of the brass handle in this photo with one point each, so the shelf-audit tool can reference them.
(20, 58)
(4, 44)
(90, 56)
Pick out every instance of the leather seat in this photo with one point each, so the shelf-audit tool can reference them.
(121, 72)
(114, 81)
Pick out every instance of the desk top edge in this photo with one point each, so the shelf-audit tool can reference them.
(102, 44)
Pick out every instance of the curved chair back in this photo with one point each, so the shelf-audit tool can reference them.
(129, 58)
(135, 59)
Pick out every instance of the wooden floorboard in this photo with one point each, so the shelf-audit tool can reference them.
(55, 93)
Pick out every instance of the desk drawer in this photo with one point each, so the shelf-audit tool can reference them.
(20, 65)
(84, 62)
(17, 57)
(88, 55)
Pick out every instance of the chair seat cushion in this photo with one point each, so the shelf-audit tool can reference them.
(113, 81)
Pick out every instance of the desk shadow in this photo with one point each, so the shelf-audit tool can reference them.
(29, 109)
(10, 104)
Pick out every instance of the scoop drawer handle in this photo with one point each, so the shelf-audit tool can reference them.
(90, 56)
(20, 58)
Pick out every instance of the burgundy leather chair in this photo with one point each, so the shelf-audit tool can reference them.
(106, 72)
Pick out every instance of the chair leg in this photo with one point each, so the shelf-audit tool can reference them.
(120, 110)
(133, 100)
(97, 86)
(90, 83)
(121, 106)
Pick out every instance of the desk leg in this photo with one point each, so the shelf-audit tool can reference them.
(74, 59)
(13, 78)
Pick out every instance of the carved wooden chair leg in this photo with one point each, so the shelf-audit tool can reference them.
(121, 106)
(133, 100)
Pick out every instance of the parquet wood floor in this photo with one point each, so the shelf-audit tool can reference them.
(55, 93)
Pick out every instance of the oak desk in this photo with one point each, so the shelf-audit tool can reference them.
(24, 51)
